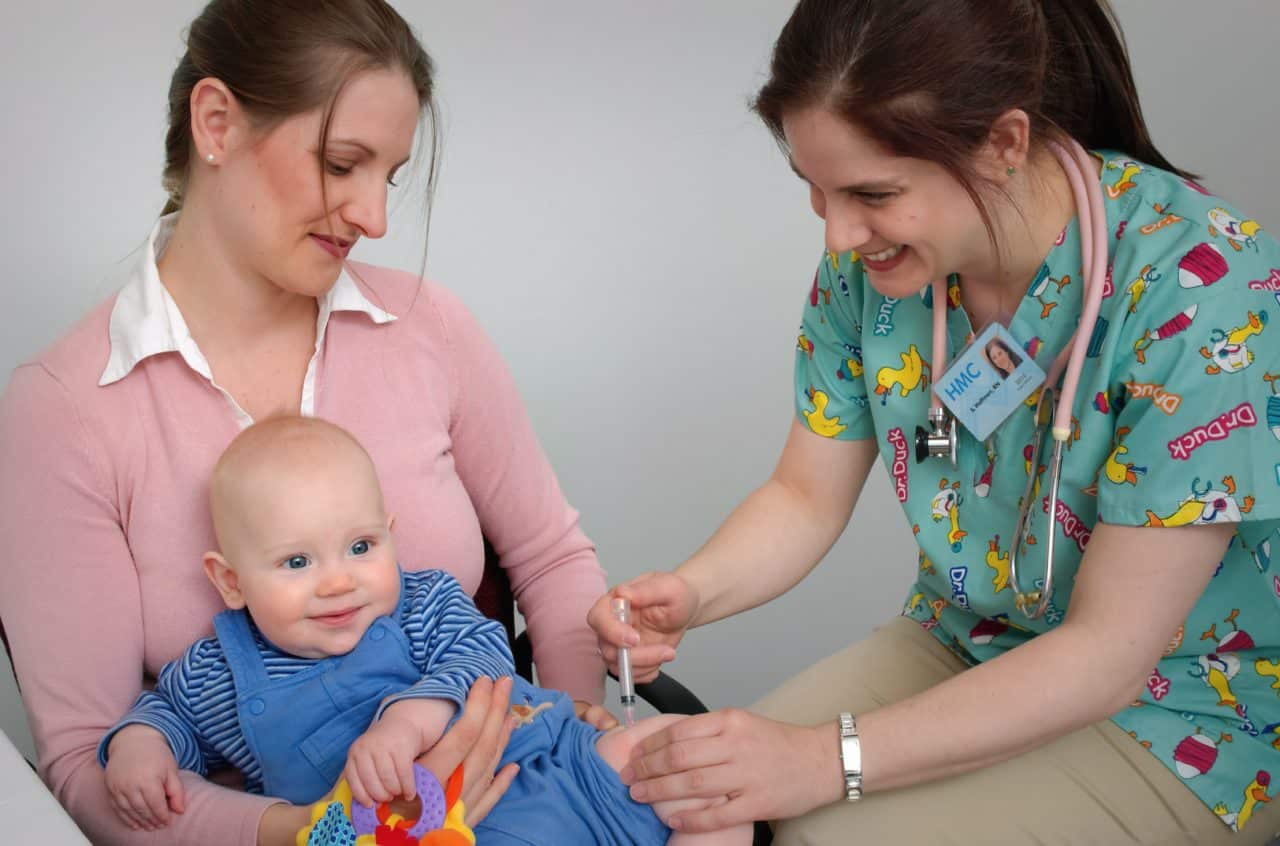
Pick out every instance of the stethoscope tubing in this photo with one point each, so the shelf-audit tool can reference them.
(1087, 193)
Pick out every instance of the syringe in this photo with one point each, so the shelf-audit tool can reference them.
(622, 611)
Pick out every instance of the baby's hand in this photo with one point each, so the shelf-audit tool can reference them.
(141, 775)
(380, 762)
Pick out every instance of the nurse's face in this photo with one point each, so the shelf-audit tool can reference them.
(908, 219)
(272, 216)
(1000, 358)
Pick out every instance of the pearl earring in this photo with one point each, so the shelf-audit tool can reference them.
(209, 158)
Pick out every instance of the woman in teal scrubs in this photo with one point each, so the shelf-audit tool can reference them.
(1143, 705)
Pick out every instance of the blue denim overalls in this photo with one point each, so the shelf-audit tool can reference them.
(299, 728)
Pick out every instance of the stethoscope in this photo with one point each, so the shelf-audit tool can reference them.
(1054, 406)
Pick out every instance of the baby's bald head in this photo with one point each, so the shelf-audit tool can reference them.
(269, 457)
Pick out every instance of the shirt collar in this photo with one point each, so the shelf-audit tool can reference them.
(145, 320)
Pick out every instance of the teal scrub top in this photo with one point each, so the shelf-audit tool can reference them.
(1176, 422)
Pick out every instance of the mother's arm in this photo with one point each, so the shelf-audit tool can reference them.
(70, 603)
(1134, 587)
(552, 565)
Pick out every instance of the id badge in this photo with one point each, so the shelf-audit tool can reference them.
(990, 378)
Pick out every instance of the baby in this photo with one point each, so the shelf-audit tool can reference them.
(331, 663)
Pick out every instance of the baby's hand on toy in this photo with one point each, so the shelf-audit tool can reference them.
(142, 778)
(380, 762)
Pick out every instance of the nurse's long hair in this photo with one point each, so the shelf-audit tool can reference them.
(928, 78)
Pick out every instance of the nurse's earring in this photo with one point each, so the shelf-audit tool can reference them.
(210, 158)
(1009, 171)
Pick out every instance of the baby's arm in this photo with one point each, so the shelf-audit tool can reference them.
(452, 645)
(144, 751)
(142, 778)
(380, 762)
(615, 748)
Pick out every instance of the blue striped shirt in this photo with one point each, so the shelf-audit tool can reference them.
(194, 702)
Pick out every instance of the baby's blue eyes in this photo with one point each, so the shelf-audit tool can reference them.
(301, 562)
(296, 562)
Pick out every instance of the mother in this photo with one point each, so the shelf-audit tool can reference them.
(288, 120)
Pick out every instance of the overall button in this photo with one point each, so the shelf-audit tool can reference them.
(257, 706)
(377, 633)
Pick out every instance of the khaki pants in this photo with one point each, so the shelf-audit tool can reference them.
(1096, 786)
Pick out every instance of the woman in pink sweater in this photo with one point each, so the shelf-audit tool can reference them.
(288, 119)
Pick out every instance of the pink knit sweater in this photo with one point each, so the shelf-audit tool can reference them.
(104, 517)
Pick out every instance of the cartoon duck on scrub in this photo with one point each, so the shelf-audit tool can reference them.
(1228, 351)
(1204, 507)
(999, 563)
(946, 505)
(911, 375)
(850, 368)
(1263, 667)
(1041, 285)
(819, 422)
(805, 345)
(1253, 794)
(1128, 170)
(1146, 278)
(935, 607)
(1239, 233)
(1121, 472)
(1217, 671)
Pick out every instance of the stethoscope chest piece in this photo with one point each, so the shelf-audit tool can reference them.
(941, 441)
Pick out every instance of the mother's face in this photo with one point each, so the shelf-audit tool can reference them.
(270, 210)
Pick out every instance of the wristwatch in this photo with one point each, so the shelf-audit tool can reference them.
(850, 758)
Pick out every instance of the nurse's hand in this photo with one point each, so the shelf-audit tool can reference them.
(662, 607)
(477, 741)
(771, 770)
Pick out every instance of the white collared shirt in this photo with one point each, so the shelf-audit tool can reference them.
(145, 321)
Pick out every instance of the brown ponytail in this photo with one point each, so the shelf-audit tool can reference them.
(1089, 91)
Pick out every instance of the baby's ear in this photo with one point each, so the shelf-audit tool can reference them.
(224, 578)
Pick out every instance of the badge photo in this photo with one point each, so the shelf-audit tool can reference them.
(988, 380)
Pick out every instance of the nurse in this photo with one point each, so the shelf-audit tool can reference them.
(1141, 706)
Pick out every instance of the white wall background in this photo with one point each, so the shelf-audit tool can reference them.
(624, 228)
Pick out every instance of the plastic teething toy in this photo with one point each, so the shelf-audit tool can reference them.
(338, 820)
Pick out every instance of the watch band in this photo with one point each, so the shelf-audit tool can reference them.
(850, 757)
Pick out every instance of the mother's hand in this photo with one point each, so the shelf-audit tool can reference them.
(769, 770)
(477, 741)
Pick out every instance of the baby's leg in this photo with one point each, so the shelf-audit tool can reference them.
(615, 747)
